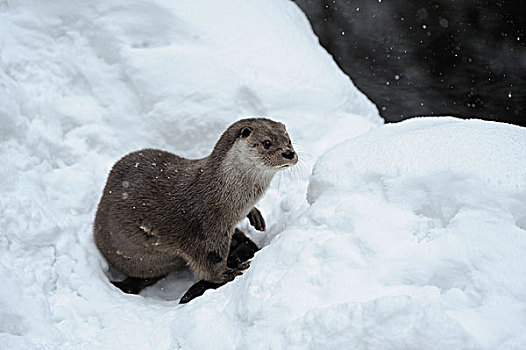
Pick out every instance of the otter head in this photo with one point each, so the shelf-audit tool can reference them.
(265, 144)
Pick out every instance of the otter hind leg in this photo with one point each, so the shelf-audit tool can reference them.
(133, 285)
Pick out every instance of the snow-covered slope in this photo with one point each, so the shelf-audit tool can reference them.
(426, 224)
(407, 237)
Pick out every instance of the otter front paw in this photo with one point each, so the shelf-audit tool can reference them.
(256, 219)
(229, 274)
(240, 259)
(243, 266)
(241, 250)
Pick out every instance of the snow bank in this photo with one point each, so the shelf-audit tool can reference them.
(409, 236)
(426, 220)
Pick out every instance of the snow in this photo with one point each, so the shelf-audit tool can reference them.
(404, 236)
(439, 221)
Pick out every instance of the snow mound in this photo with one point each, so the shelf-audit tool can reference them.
(420, 229)
(491, 151)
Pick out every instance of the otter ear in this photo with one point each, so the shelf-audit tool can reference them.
(245, 132)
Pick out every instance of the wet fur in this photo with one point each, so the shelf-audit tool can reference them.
(160, 211)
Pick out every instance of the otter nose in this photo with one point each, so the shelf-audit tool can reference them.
(288, 154)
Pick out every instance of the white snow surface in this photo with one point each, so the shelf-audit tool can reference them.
(406, 236)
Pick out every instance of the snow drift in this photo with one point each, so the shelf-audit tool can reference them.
(410, 236)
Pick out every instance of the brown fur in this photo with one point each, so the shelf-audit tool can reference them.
(160, 211)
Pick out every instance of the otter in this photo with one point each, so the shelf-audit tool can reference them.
(160, 212)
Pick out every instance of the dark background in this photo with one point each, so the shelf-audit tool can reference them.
(412, 58)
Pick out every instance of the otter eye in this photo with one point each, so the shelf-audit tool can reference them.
(246, 132)
(267, 144)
